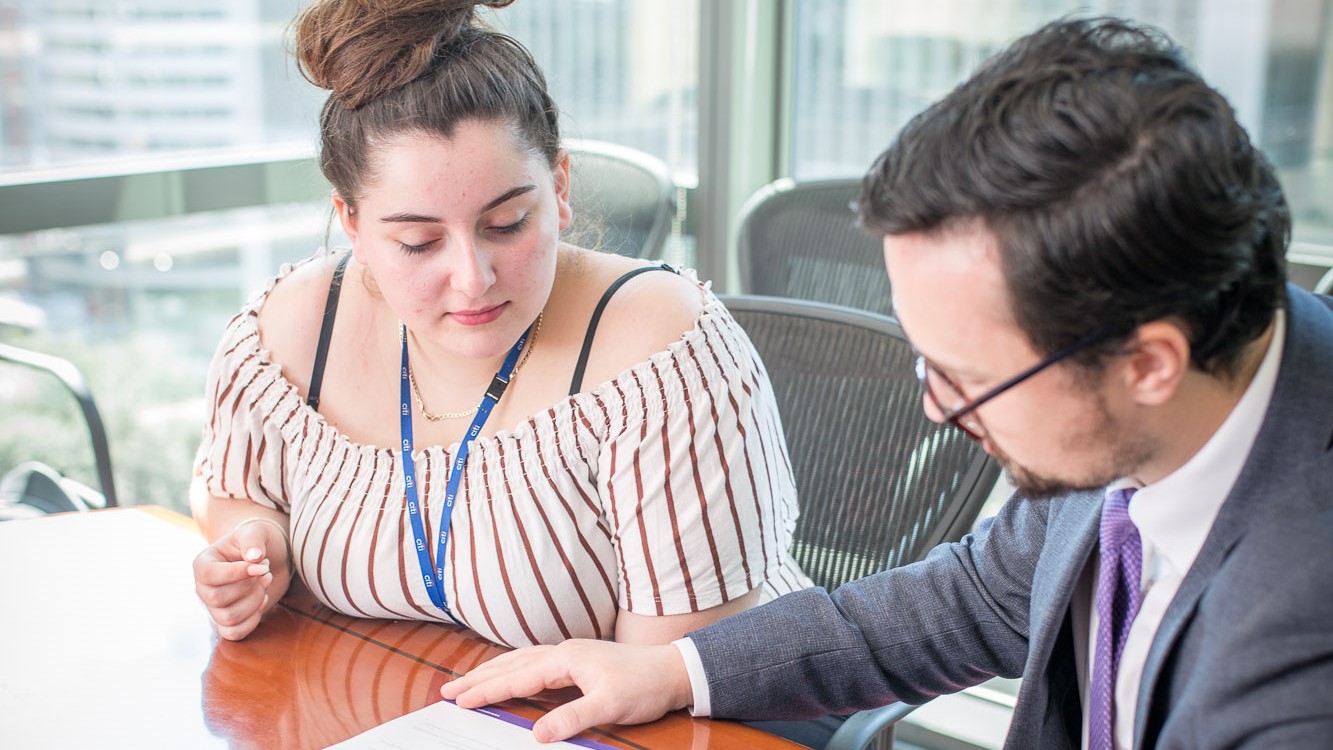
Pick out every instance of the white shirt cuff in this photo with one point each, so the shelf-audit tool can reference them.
(694, 667)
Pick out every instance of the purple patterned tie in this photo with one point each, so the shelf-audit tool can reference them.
(1119, 577)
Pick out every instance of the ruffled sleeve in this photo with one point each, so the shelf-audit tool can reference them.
(694, 473)
(241, 453)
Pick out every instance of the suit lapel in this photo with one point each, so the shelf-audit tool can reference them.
(1070, 540)
(1070, 537)
(1287, 438)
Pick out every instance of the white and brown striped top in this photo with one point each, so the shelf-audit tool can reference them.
(667, 490)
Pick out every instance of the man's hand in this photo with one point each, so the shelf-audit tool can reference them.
(621, 684)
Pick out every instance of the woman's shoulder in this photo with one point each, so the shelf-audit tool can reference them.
(291, 311)
(644, 317)
(661, 300)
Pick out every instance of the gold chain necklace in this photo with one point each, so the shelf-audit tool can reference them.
(527, 352)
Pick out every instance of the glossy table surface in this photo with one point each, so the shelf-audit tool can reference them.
(104, 644)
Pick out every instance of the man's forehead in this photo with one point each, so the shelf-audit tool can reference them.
(948, 291)
(963, 259)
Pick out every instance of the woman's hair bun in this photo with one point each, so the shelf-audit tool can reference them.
(361, 49)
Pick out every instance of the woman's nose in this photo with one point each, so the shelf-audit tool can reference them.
(470, 270)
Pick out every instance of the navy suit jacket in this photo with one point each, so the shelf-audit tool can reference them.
(1243, 657)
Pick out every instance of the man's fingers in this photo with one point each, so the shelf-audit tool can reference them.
(565, 721)
(496, 688)
(620, 684)
(495, 666)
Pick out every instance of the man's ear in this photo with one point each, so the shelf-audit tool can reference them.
(560, 175)
(347, 216)
(1158, 363)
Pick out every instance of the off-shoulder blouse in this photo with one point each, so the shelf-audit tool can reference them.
(665, 490)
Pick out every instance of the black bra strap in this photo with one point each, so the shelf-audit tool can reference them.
(577, 382)
(326, 333)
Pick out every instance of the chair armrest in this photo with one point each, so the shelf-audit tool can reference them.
(860, 729)
(70, 377)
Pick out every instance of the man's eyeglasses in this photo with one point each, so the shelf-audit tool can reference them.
(961, 413)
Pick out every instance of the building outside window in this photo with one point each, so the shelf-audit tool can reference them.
(163, 97)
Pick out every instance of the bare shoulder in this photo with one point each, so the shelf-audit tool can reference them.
(649, 312)
(290, 317)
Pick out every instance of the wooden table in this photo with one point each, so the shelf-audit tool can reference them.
(103, 643)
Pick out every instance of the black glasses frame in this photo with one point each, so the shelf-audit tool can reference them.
(954, 415)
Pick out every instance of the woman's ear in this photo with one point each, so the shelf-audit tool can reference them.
(1158, 363)
(560, 176)
(347, 217)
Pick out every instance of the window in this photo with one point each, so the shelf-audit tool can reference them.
(632, 76)
(121, 122)
(862, 68)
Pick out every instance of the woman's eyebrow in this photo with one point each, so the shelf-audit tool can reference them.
(520, 190)
(423, 219)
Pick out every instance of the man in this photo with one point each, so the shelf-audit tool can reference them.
(1088, 253)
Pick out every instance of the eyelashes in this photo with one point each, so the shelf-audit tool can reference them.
(414, 249)
(514, 228)
(507, 229)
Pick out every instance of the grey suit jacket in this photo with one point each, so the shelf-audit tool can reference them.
(1243, 658)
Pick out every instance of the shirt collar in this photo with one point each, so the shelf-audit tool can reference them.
(1175, 514)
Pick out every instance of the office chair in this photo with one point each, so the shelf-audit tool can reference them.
(33, 487)
(1325, 283)
(625, 195)
(800, 239)
(879, 484)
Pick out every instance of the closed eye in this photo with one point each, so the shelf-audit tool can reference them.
(514, 228)
(414, 249)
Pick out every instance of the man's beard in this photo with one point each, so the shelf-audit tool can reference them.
(1126, 453)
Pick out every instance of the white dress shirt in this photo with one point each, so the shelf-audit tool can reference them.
(1173, 516)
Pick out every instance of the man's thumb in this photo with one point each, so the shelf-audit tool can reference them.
(563, 722)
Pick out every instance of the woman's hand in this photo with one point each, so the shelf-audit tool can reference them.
(242, 574)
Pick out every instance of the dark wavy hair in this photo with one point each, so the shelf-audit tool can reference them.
(415, 66)
(1118, 184)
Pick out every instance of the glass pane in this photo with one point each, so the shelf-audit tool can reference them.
(138, 307)
(92, 80)
(624, 71)
(94, 87)
(862, 68)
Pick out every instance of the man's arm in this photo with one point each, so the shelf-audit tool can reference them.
(953, 620)
(911, 633)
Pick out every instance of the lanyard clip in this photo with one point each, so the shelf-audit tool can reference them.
(497, 388)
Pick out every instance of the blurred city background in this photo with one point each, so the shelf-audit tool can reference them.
(195, 113)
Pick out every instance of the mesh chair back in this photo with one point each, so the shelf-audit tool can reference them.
(624, 198)
(800, 239)
(879, 483)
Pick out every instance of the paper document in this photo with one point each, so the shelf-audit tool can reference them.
(445, 726)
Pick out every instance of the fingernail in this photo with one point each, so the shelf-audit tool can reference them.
(254, 553)
(257, 569)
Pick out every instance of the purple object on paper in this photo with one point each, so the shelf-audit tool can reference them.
(517, 720)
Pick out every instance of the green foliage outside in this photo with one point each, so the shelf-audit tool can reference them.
(150, 400)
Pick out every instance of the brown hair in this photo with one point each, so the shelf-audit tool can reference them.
(396, 66)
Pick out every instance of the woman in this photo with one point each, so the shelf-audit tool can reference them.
(350, 440)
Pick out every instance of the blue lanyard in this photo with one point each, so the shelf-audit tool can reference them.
(433, 575)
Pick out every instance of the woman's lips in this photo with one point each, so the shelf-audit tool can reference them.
(479, 316)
